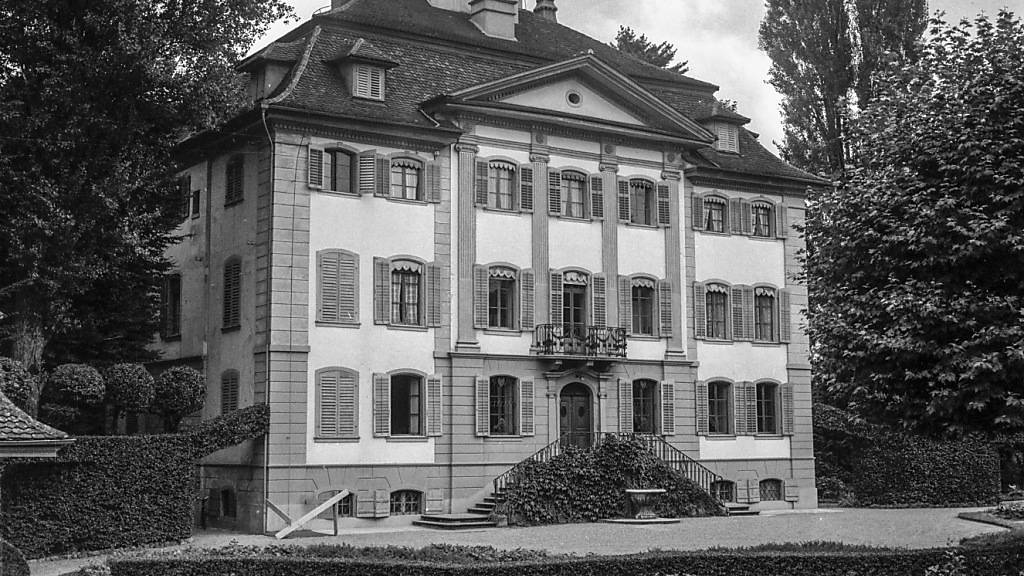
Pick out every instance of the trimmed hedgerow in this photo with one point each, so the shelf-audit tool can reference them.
(115, 491)
(589, 485)
(12, 562)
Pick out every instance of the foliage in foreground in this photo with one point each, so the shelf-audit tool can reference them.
(916, 265)
(12, 562)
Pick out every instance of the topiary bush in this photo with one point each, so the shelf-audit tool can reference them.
(12, 562)
(129, 388)
(179, 391)
(589, 485)
(18, 385)
(73, 399)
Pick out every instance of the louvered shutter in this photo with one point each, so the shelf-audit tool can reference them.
(527, 417)
(229, 392)
(787, 409)
(785, 316)
(554, 192)
(381, 504)
(328, 418)
(748, 312)
(556, 297)
(753, 491)
(377, 83)
(664, 205)
(527, 288)
(751, 398)
(348, 405)
(483, 407)
(668, 408)
(381, 405)
(362, 82)
(381, 291)
(701, 388)
(790, 491)
(781, 222)
(526, 188)
(697, 212)
(746, 217)
(625, 406)
(435, 421)
(348, 287)
(739, 317)
(600, 296)
(433, 176)
(739, 403)
(735, 216)
(481, 285)
(329, 301)
(367, 166)
(597, 196)
(624, 212)
(700, 310)
(435, 299)
(232, 294)
(665, 307)
(626, 303)
(315, 168)
(185, 194)
(480, 177)
(383, 177)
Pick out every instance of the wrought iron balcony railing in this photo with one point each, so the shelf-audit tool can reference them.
(580, 340)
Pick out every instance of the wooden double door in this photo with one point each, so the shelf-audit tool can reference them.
(576, 418)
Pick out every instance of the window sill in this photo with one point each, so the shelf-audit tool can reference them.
(641, 226)
(322, 324)
(509, 332)
(195, 216)
(409, 201)
(762, 238)
(171, 338)
(578, 219)
(720, 437)
(355, 195)
(504, 212)
(505, 437)
(763, 436)
(712, 233)
(228, 329)
(321, 440)
(765, 344)
(643, 337)
(234, 203)
(368, 99)
(408, 439)
(407, 327)
(715, 341)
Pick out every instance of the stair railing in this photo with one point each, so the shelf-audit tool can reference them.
(674, 457)
(543, 455)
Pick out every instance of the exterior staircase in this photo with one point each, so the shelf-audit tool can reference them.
(478, 516)
(739, 509)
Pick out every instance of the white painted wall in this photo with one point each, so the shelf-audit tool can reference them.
(743, 448)
(740, 259)
(553, 97)
(504, 237)
(641, 251)
(575, 243)
(741, 361)
(646, 349)
(507, 344)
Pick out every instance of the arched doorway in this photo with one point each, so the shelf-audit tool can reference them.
(575, 413)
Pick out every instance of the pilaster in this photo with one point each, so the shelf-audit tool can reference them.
(541, 255)
(610, 233)
(673, 264)
(466, 339)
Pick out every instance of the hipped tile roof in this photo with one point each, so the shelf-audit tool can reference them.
(17, 426)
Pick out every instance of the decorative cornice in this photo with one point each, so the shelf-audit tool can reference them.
(462, 146)
(672, 175)
(608, 167)
(540, 158)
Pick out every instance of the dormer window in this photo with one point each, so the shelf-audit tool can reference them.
(368, 81)
(728, 137)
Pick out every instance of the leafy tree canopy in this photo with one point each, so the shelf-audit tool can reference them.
(917, 310)
(660, 55)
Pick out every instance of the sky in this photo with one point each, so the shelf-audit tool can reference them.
(717, 37)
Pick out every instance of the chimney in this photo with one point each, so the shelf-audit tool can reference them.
(547, 10)
(496, 18)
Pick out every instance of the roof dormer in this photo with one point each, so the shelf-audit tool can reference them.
(268, 67)
(724, 122)
(364, 68)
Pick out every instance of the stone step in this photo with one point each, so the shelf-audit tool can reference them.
(483, 509)
(454, 518)
(740, 510)
(454, 525)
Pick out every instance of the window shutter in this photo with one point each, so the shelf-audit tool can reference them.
(315, 168)
(748, 311)
(483, 407)
(664, 205)
(526, 414)
(753, 491)
(232, 294)
(554, 192)
(702, 407)
(751, 397)
(432, 171)
(348, 405)
(787, 409)
(481, 291)
(381, 405)
(739, 316)
(435, 422)
(185, 194)
(626, 303)
(435, 501)
(735, 216)
(381, 504)
(348, 287)
(367, 166)
(329, 301)
(739, 403)
(435, 301)
(526, 188)
(527, 288)
(623, 200)
(665, 307)
(625, 406)
(785, 316)
(700, 311)
(229, 392)
(362, 82)
(377, 83)
(480, 174)
(741, 491)
(165, 308)
(747, 217)
(364, 504)
(383, 177)
(697, 215)
(781, 222)
(556, 297)
(790, 491)
(600, 295)
(381, 291)
(668, 408)
(597, 196)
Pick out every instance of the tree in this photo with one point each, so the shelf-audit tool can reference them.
(918, 310)
(73, 399)
(179, 392)
(98, 92)
(660, 55)
(129, 388)
(823, 55)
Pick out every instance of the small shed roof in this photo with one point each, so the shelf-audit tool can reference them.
(22, 436)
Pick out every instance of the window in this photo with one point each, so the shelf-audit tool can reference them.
(717, 298)
(504, 404)
(501, 298)
(406, 283)
(767, 408)
(196, 197)
(714, 214)
(723, 490)
(500, 185)
(337, 404)
(406, 405)
(232, 294)
(574, 186)
(644, 407)
(761, 220)
(406, 502)
(228, 504)
(719, 404)
(171, 307)
(344, 508)
(405, 179)
(764, 314)
(338, 287)
(770, 489)
(641, 203)
(728, 137)
(185, 194)
(368, 82)
(343, 171)
(234, 181)
(643, 307)
(229, 392)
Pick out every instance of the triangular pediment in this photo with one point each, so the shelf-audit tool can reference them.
(574, 95)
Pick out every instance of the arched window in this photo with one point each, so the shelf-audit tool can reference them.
(574, 194)
(717, 300)
(643, 306)
(337, 403)
(719, 407)
(771, 489)
(724, 490)
(406, 502)
(764, 314)
(406, 293)
(407, 396)
(714, 214)
(229, 391)
(642, 202)
(406, 179)
(504, 406)
(501, 297)
(343, 171)
(232, 305)
(644, 406)
(501, 181)
(761, 219)
(767, 408)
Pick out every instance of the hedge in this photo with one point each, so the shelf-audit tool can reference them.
(115, 491)
(12, 562)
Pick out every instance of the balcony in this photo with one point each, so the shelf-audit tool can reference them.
(579, 340)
